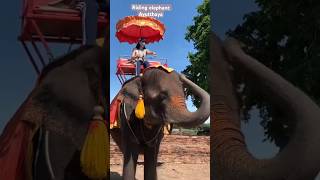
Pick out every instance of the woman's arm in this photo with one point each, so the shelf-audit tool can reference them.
(151, 52)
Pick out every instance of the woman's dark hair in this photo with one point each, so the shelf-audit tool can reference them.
(138, 46)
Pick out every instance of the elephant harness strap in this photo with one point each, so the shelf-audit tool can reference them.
(152, 141)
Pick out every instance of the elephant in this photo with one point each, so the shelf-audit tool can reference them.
(164, 98)
(57, 113)
(230, 158)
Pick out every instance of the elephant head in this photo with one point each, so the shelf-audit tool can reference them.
(52, 122)
(164, 98)
(68, 89)
(230, 158)
(75, 81)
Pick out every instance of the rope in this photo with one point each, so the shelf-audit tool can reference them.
(152, 139)
(128, 123)
(147, 142)
(38, 147)
(47, 155)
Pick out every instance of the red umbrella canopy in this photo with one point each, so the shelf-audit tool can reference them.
(131, 28)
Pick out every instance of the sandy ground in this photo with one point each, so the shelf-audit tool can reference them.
(180, 158)
(169, 171)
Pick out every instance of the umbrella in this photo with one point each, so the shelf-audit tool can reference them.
(131, 28)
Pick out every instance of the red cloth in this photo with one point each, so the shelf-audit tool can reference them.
(14, 143)
(114, 107)
(125, 67)
(13, 150)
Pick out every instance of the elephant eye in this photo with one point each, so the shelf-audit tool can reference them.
(163, 96)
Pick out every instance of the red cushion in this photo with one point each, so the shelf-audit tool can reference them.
(125, 67)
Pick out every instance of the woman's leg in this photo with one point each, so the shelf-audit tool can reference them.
(146, 64)
(138, 68)
(90, 13)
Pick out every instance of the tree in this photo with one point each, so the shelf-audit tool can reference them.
(285, 36)
(198, 33)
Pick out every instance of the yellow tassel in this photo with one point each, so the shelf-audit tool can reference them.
(140, 111)
(95, 151)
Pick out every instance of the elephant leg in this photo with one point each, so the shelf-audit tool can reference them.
(150, 162)
(131, 153)
(55, 154)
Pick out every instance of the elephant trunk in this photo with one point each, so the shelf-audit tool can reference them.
(230, 157)
(179, 114)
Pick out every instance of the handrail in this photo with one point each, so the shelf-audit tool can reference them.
(150, 58)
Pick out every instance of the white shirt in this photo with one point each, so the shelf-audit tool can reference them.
(139, 54)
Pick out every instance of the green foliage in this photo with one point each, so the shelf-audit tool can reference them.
(285, 36)
(198, 33)
(202, 130)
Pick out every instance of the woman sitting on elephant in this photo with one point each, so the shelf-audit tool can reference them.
(138, 55)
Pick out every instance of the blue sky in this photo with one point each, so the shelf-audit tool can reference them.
(17, 77)
(173, 47)
(16, 74)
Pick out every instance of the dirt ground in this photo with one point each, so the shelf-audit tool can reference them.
(180, 158)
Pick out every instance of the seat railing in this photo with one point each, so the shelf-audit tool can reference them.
(149, 58)
(124, 69)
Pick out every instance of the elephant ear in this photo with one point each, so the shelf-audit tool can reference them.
(130, 93)
(72, 83)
